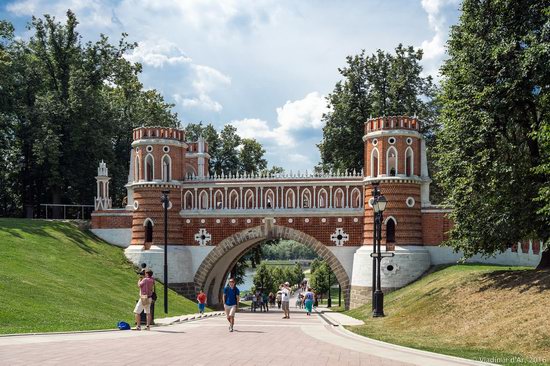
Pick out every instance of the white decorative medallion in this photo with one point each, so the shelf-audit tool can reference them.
(248, 221)
(355, 219)
(339, 219)
(290, 221)
(187, 221)
(306, 220)
(218, 221)
(203, 221)
(202, 237)
(323, 220)
(339, 237)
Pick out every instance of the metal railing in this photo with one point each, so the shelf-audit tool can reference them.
(55, 211)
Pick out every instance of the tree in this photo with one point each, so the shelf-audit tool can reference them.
(58, 95)
(319, 279)
(298, 274)
(315, 264)
(227, 160)
(494, 116)
(263, 278)
(192, 133)
(376, 85)
(251, 157)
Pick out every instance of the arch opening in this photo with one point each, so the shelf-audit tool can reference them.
(215, 268)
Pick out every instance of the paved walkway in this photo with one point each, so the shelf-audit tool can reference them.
(258, 339)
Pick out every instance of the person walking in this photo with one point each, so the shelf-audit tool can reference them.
(231, 298)
(285, 300)
(201, 301)
(146, 286)
(279, 296)
(265, 300)
(308, 301)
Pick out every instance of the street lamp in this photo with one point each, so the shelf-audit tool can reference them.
(379, 206)
(375, 195)
(165, 202)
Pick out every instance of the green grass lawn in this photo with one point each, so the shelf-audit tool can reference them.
(482, 312)
(56, 277)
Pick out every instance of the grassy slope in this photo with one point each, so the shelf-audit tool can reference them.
(56, 277)
(469, 311)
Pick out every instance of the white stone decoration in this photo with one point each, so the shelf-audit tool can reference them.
(188, 221)
(136, 204)
(248, 221)
(169, 205)
(233, 221)
(374, 142)
(339, 237)
(203, 237)
(391, 140)
(323, 220)
(203, 221)
(355, 219)
(149, 148)
(410, 201)
(166, 149)
(339, 219)
(371, 202)
(263, 221)
(306, 221)
(274, 221)
(218, 221)
(290, 221)
(409, 141)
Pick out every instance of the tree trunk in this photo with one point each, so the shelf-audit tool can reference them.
(545, 259)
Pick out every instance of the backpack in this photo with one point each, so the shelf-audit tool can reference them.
(123, 325)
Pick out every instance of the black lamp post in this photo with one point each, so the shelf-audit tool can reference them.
(379, 206)
(375, 195)
(329, 300)
(165, 202)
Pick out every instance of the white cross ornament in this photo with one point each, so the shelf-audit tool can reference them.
(203, 237)
(339, 237)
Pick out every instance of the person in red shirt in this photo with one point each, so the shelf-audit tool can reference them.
(201, 300)
(146, 286)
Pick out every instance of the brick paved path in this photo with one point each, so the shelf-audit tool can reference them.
(259, 339)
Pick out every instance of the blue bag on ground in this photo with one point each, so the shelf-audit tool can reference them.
(123, 326)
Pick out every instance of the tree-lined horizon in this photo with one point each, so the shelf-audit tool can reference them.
(66, 105)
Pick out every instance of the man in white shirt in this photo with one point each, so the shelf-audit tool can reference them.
(285, 300)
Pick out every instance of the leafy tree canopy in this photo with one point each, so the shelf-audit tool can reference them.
(492, 152)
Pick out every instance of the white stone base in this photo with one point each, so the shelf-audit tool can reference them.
(183, 261)
(409, 263)
(119, 237)
(446, 255)
(345, 255)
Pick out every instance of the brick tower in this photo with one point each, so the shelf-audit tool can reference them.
(395, 158)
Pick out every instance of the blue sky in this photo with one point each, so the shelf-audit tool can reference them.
(264, 66)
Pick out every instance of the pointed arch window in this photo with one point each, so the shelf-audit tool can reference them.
(249, 199)
(269, 199)
(166, 168)
(390, 230)
(149, 168)
(233, 200)
(203, 200)
(218, 200)
(374, 163)
(339, 198)
(409, 162)
(322, 198)
(391, 160)
(188, 200)
(356, 198)
(290, 201)
(306, 198)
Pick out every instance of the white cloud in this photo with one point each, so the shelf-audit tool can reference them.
(208, 79)
(90, 13)
(157, 53)
(292, 117)
(254, 128)
(202, 101)
(435, 48)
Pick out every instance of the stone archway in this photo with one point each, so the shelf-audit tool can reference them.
(213, 269)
